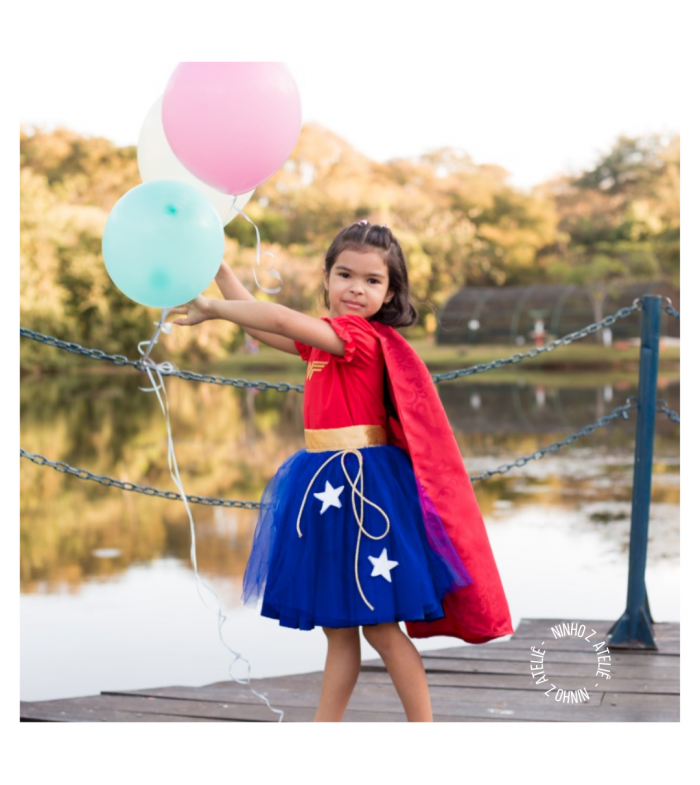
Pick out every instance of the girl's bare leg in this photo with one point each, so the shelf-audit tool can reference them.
(340, 674)
(405, 667)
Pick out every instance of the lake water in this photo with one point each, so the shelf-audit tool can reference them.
(108, 595)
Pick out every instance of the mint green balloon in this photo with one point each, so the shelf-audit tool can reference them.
(163, 243)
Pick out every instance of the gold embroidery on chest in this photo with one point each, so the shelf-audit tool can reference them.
(316, 365)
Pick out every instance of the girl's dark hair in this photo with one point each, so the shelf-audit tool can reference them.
(363, 237)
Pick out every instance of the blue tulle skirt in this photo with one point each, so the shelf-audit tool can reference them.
(313, 564)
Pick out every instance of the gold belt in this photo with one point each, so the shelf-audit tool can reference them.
(353, 436)
(346, 441)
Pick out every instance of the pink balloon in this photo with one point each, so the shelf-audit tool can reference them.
(232, 125)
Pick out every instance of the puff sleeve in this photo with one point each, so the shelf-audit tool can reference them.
(359, 336)
(303, 349)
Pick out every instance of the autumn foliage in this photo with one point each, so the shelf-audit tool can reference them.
(460, 223)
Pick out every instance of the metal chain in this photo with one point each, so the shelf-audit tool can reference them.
(670, 310)
(620, 411)
(662, 407)
(84, 474)
(191, 376)
(117, 359)
(76, 348)
(566, 340)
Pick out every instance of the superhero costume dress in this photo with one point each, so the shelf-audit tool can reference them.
(348, 534)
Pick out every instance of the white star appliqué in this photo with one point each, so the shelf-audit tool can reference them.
(382, 566)
(329, 497)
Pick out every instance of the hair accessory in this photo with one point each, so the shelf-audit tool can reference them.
(363, 222)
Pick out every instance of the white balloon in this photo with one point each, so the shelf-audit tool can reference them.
(157, 161)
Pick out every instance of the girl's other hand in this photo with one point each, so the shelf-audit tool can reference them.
(197, 310)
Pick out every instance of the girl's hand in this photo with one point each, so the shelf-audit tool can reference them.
(197, 310)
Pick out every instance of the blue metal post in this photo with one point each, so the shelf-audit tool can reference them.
(633, 630)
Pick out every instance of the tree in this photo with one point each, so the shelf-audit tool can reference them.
(459, 222)
(620, 220)
(630, 168)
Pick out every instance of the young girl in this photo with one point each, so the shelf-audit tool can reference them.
(375, 522)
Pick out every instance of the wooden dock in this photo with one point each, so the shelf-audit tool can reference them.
(487, 683)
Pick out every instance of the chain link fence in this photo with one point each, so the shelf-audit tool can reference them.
(119, 360)
(97, 354)
(84, 474)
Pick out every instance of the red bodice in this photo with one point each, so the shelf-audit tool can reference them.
(348, 390)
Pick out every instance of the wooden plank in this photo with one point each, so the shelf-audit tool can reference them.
(452, 702)
(543, 710)
(375, 701)
(476, 654)
(669, 647)
(627, 666)
(301, 690)
(506, 681)
(533, 628)
(635, 699)
(514, 682)
(93, 708)
(532, 706)
(363, 710)
(665, 646)
(618, 670)
(107, 715)
(563, 713)
(129, 708)
(503, 683)
(302, 693)
(594, 633)
(97, 711)
(666, 634)
(373, 692)
(297, 715)
(454, 687)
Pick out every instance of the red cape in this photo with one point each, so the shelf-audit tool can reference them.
(479, 612)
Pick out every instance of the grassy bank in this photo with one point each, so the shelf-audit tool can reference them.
(444, 358)
(617, 362)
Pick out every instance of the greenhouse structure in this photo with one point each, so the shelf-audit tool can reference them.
(539, 313)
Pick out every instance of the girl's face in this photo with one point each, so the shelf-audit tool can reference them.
(357, 283)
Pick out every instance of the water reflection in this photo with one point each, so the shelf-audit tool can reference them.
(106, 574)
(229, 442)
(522, 407)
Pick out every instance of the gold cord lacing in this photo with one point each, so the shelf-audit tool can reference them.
(358, 517)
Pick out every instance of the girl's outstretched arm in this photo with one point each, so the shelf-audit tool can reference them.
(232, 289)
(269, 317)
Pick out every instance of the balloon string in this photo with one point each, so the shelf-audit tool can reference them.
(155, 371)
(270, 270)
(161, 325)
(231, 211)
